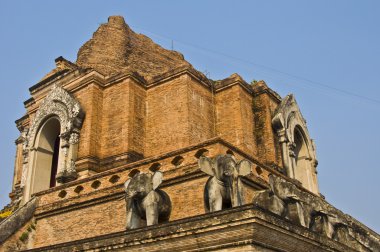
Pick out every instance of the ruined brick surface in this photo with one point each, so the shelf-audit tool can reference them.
(146, 106)
(115, 48)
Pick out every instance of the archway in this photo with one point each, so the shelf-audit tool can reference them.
(46, 156)
(297, 148)
(58, 114)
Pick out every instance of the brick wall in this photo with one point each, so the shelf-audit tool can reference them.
(234, 115)
(201, 112)
(268, 148)
(167, 112)
(85, 222)
(91, 100)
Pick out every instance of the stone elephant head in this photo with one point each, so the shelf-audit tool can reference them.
(282, 198)
(224, 188)
(145, 203)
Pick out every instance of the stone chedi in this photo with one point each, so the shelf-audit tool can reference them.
(132, 149)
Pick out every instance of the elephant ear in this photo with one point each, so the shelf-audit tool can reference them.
(157, 179)
(244, 167)
(206, 165)
(126, 184)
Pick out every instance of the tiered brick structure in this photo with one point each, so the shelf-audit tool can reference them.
(127, 107)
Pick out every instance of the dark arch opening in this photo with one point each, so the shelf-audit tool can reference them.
(133, 173)
(54, 163)
(155, 167)
(177, 161)
(201, 152)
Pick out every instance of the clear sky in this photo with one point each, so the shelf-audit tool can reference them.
(325, 52)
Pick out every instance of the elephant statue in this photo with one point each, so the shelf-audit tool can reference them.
(292, 198)
(282, 198)
(286, 200)
(145, 204)
(224, 187)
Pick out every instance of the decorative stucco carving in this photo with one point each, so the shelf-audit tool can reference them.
(291, 130)
(59, 103)
(74, 138)
(24, 139)
(62, 105)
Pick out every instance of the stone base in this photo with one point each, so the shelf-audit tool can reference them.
(245, 228)
(66, 176)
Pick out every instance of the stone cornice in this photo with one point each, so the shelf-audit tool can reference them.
(90, 76)
(76, 79)
(120, 77)
(242, 84)
(20, 123)
(268, 91)
(29, 102)
(178, 72)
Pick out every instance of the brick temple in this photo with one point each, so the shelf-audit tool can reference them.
(132, 149)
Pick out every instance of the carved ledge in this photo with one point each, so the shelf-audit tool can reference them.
(66, 176)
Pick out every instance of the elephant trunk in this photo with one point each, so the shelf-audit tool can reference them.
(233, 184)
(133, 219)
(129, 211)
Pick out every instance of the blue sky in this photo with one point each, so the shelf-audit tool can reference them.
(325, 52)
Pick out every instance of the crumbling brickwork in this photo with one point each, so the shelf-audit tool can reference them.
(144, 109)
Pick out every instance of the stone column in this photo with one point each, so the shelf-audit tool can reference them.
(66, 172)
(21, 158)
(73, 153)
(27, 176)
(25, 157)
(285, 152)
(314, 163)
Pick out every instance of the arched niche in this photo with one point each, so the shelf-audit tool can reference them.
(47, 148)
(298, 150)
(59, 109)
